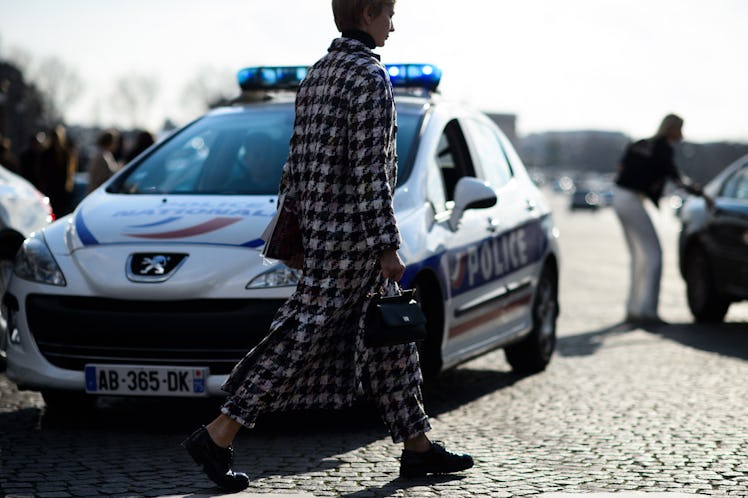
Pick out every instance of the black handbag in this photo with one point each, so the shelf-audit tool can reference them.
(394, 319)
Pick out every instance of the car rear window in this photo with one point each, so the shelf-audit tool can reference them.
(233, 154)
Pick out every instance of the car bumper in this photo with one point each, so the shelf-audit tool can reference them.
(32, 372)
(214, 334)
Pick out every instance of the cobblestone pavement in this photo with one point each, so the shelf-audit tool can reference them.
(618, 409)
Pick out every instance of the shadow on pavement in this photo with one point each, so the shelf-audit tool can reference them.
(728, 339)
(400, 484)
(587, 343)
(179, 416)
(460, 386)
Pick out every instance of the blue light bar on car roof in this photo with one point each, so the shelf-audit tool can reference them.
(271, 78)
(426, 76)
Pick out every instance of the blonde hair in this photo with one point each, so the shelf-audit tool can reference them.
(669, 123)
(349, 13)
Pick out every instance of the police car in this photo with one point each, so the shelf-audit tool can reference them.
(156, 285)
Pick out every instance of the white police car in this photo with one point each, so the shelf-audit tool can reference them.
(155, 285)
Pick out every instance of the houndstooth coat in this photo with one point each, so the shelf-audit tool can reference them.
(342, 169)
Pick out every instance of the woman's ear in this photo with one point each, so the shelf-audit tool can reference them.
(367, 16)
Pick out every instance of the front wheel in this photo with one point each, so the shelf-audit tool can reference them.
(534, 352)
(705, 303)
(429, 351)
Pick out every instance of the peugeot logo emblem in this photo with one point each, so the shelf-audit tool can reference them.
(153, 267)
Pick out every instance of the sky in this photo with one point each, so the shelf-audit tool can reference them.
(614, 65)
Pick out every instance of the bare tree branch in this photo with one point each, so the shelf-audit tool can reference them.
(208, 87)
(133, 97)
(59, 83)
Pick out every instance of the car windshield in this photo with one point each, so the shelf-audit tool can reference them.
(234, 154)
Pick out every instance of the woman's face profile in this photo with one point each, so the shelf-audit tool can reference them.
(380, 26)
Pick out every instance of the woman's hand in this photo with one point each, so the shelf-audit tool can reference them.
(392, 266)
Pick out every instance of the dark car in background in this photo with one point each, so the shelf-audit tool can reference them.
(590, 194)
(714, 244)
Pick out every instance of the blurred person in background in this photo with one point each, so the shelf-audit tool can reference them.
(59, 164)
(143, 140)
(7, 159)
(102, 164)
(644, 169)
(258, 169)
(314, 356)
(119, 148)
(31, 158)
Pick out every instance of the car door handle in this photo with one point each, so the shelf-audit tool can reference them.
(493, 224)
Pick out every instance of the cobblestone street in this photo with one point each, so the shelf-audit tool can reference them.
(660, 410)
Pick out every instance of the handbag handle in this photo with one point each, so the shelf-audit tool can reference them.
(395, 286)
(398, 291)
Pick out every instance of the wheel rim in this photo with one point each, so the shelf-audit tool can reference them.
(545, 314)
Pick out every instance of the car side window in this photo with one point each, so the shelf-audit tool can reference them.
(435, 192)
(491, 155)
(453, 158)
(737, 186)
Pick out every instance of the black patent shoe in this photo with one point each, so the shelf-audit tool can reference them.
(216, 461)
(437, 460)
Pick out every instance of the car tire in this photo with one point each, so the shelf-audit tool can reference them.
(707, 305)
(429, 351)
(533, 353)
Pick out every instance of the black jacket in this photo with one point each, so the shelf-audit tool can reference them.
(645, 167)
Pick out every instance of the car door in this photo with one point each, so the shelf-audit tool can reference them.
(512, 228)
(728, 233)
(466, 278)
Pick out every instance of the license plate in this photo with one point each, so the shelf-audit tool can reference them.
(143, 380)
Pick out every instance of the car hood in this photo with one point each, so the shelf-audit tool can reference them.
(105, 219)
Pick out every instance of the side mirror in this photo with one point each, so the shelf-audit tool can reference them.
(471, 193)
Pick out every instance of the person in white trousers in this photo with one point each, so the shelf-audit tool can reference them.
(645, 252)
(645, 167)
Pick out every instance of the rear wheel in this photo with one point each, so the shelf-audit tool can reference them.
(706, 304)
(533, 353)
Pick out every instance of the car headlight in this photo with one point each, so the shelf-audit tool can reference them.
(34, 262)
(278, 276)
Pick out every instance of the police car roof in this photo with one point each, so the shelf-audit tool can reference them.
(406, 101)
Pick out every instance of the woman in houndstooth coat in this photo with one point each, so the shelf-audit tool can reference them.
(342, 170)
